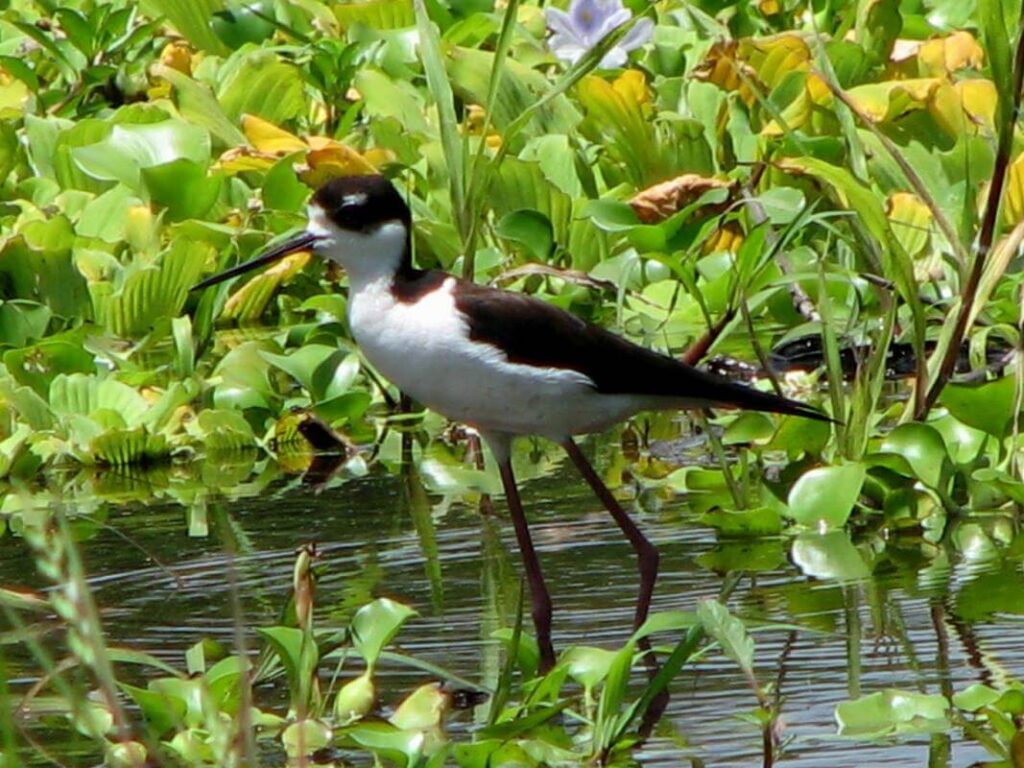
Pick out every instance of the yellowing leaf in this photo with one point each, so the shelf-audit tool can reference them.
(911, 221)
(942, 56)
(267, 137)
(335, 160)
(242, 159)
(800, 112)
(968, 106)
(1013, 206)
(763, 59)
(888, 100)
(633, 85)
(249, 301)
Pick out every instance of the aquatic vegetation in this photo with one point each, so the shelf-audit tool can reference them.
(828, 199)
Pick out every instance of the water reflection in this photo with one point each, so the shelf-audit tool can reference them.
(843, 616)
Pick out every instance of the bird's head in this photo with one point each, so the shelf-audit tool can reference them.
(359, 222)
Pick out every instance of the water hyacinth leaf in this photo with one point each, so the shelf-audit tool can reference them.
(376, 14)
(249, 301)
(37, 264)
(225, 430)
(192, 19)
(130, 147)
(425, 708)
(588, 666)
(748, 428)
(125, 447)
(975, 697)
(299, 655)
(313, 366)
(375, 625)
(729, 632)
(198, 104)
(250, 23)
(22, 322)
(162, 710)
(152, 292)
(530, 229)
(265, 86)
(988, 406)
(891, 712)
(828, 556)
(355, 699)
(760, 521)
(78, 394)
(182, 187)
(305, 737)
(922, 447)
(824, 497)
(36, 365)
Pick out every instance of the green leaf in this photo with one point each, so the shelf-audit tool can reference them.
(588, 666)
(828, 556)
(988, 406)
(892, 712)
(183, 188)
(824, 497)
(264, 86)
(975, 697)
(192, 18)
(729, 632)
(530, 229)
(130, 147)
(163, 710)
(761, 521)
(375, 625)
(923, 448)
(376, 14)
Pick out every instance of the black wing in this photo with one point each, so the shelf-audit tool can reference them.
(532, 332)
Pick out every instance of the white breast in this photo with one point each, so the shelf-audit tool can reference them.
(423, 348)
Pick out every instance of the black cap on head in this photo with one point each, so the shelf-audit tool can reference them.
(361, 203)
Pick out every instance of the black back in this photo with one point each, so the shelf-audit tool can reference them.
(533, 332)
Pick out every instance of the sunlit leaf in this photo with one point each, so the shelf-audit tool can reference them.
(824, 497)
(890, 712)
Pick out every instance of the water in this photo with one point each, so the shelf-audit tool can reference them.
(161, 589)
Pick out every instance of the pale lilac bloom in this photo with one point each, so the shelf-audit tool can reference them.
(587, 21)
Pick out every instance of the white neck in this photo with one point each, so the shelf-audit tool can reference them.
(368, 258)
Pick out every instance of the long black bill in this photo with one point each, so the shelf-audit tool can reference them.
(303, 241)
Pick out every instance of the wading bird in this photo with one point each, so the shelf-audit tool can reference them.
(501, 362)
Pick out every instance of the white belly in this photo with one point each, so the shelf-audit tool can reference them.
(424, 349)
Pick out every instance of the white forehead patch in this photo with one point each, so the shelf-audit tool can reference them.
(356, 198)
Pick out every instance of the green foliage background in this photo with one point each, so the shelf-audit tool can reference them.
(759, 173)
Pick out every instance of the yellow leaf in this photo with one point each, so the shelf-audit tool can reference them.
(799, 112)
(942, 56)
(891, 99)
(726, 238)
(632, 85)
(968, 106)
(249, 301)
(177, 55)
(267, 137)
(772, 58)
(243, 159)
(911, 221)
(721, 66)
(335, 160)
(1013, 207)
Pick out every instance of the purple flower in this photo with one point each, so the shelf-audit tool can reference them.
(587, 21)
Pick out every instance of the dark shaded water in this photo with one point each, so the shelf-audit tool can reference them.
(920, 622)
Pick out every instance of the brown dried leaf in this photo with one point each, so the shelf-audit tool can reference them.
(657, 203)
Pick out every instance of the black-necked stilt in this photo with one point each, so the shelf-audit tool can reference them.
(504, 363)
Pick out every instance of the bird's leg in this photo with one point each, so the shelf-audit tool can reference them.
(646, 553)
(647, 563)
(539, 597)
